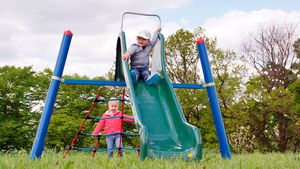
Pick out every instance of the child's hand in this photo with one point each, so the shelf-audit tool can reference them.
(126, 56)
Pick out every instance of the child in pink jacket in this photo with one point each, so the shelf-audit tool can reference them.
(112, 126)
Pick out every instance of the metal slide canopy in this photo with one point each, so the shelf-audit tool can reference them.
(164, 131)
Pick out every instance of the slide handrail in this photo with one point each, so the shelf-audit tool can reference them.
(141, 14)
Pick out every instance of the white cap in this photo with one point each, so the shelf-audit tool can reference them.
(144, 34)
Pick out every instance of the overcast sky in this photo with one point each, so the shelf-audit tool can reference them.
(31, 30)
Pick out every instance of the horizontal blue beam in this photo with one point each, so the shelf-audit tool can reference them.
(117, 83)
(93, 82)
(188, 86)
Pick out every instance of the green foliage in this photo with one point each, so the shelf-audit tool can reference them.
(62, 129)
(265, 118)
(21, 91)
(182, 64)
(294, 142)
(181, 57)
(296, 47)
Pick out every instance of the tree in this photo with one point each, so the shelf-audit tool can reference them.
(270, 53)
(182, 66)
(20, 99)
(296, 65)
(181, 63)
(181, 57)
(294, 143)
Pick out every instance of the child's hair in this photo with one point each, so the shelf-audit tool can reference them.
(112, 99)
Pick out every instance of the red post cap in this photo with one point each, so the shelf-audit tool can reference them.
(200, 40)
(68, 32)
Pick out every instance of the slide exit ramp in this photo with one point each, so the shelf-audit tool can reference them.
(164, 131)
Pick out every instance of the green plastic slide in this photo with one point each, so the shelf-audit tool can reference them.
(164, 130)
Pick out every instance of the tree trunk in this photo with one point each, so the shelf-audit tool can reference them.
(282, 133)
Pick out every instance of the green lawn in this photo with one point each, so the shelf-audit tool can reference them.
(211, 160)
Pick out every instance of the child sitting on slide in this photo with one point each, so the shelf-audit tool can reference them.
(139, 57)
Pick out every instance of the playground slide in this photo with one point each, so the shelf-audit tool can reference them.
(164, 130)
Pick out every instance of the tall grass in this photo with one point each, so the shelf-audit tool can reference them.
(83, 160)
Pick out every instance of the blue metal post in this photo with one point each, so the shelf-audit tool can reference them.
(38, 144)
(212, 95)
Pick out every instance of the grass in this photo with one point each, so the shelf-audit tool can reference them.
(211, 160)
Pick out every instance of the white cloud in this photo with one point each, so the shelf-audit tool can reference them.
(234, 26)
(31, 31)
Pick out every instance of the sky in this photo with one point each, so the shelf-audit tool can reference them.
(31, 30)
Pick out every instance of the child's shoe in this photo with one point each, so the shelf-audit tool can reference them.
(153, 79)
(133, 77)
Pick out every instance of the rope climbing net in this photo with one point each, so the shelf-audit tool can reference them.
(96, 147)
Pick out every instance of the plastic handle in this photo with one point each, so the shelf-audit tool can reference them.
(141, 14)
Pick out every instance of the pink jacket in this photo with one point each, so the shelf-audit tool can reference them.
(112, 125)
